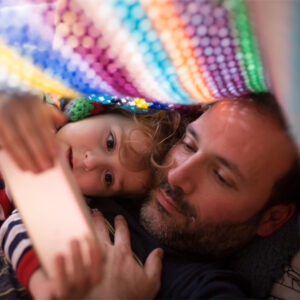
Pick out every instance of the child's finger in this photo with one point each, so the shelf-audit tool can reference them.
(96, 263)
(50, 119)
(61, 283)
(44, 121)
(17, 125)
(47, 125)
(13, 143)
(21, 157)
(78, 272)
(31, 132)
(29, 125)
(59, 118)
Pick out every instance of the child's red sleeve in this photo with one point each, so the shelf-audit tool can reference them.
(5, 202)
(26, 267)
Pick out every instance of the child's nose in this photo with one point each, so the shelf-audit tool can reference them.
(97, 159)
(92, 160)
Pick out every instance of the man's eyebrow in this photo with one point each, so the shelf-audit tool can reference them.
(231, 165)
(190, 129)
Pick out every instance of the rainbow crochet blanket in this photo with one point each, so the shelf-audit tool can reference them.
(170, 51)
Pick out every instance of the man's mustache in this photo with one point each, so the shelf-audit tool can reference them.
(177, 195)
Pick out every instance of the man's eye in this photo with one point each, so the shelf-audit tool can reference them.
(221, 179)
(187, 146)
(108, 178)
(110, 142)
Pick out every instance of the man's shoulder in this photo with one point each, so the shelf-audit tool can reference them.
(194, 280)
(264, 259)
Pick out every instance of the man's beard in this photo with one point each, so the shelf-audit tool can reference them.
(190, 234)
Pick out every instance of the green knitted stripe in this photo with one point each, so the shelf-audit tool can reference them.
(80, 109)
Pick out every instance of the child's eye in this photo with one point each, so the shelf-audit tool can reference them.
(110, 142)
(108, 178)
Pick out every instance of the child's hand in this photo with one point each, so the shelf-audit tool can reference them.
(83, 278)
(27, 131)
(40, 286)
(69, 286)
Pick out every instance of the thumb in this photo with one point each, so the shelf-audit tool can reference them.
(59, 118)
(153, 266)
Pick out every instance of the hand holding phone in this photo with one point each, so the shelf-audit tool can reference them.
(52, 207)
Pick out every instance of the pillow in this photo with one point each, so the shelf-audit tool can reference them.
(288, 286)
(265, 260)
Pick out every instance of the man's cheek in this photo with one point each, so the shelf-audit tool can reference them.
(173, 156)
(216, 211)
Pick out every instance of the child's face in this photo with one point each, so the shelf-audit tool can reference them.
(92, 147)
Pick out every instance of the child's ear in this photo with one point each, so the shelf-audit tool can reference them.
(274, 218)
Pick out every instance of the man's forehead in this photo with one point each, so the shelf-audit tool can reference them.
(239, 122)
(229, 114)
(242, 130)
(233, 111)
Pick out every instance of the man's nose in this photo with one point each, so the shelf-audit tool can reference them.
(183, 175)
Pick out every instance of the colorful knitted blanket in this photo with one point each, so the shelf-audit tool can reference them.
(165, 50)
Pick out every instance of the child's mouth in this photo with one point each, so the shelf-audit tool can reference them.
(71, 158)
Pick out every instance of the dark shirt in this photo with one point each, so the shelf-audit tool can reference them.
(184, 276)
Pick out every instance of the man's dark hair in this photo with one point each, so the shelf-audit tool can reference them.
(266, 103)
(286, 189)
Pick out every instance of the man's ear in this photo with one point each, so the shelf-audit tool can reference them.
(274, 218)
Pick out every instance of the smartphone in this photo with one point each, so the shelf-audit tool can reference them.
(52, 208)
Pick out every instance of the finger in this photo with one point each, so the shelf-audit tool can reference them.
(53, 119)
(46, 121)
(22, 159)
(34, 131)
(100, 227)
(96, 263)
(153, 265)
(12, 110)
(61, 282)
(122, 236)
(14, 144)
(78, 271)
(59, 118)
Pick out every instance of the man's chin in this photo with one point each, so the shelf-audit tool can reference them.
(158, 222)
(209, 240)
(151, 216)
(152, 209)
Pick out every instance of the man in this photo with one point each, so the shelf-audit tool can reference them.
(234, 175)
(223, 185)
(218, 190)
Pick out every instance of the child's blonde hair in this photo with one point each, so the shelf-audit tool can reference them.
(163, 128)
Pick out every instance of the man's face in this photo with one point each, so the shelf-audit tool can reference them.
(220, 177)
